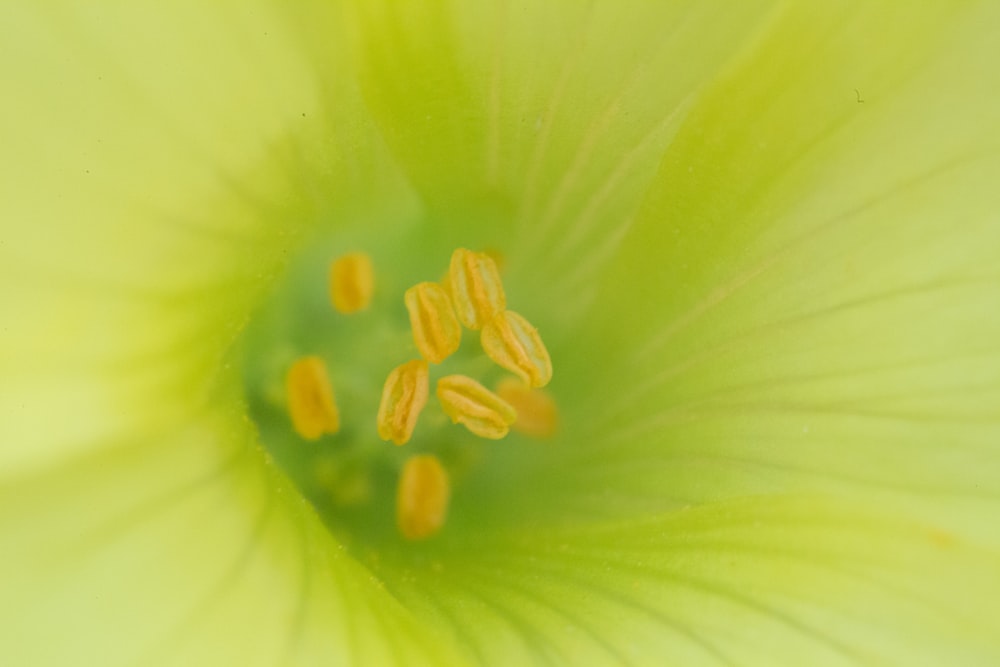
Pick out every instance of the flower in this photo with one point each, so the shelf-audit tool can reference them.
(764, 240)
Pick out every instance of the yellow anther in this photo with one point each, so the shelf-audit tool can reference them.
(310, 399)
(436, 331)
(422, 497)
(403, 397)
(475, 287)
(469, 403)
(352, 282)
(537, 414)
(514, 344)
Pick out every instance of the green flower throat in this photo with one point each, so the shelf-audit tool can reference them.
(328, 392)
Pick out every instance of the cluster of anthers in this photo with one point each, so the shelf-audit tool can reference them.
(470, 295)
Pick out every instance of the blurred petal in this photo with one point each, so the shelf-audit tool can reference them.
(760, 581)
(159, 167)
(811, 289)
(536, 127)
(798, 339)
(807, 303)
(188, 550)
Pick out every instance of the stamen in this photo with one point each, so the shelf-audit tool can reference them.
(311, 404)
(352, 282)
(403, 397)
(514, 344)
(537, 414)
(473, 405)
(422, 497)
(474, 283)
(436, 330)
(346, 480)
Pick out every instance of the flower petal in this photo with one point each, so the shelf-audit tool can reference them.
(141, 518)
(791, 371)
(159, 166)
(804, 579)
(536, 127)
(766, 580)
(810, 291)
(188, 550)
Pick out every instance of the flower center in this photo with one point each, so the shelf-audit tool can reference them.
(327, 395)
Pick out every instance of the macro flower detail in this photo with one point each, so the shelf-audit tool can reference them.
(344, 468)
(436, 331)
(480, 410)
(352, 281)
(536, 412)
(511, 341)
(749, 249)
(311, 403)
(474, 282)
(403, 398)
(422, 497)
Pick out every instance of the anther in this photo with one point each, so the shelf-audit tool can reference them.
(403, 397)
(352, 282)
(469, 403)
(422, 497)
(474, 283)
(537, 414)
(514, 344)
(436, 331)
(311, 403)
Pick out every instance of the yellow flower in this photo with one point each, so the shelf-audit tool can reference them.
(761, 241)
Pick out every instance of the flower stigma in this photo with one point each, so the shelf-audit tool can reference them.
(357, 367)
